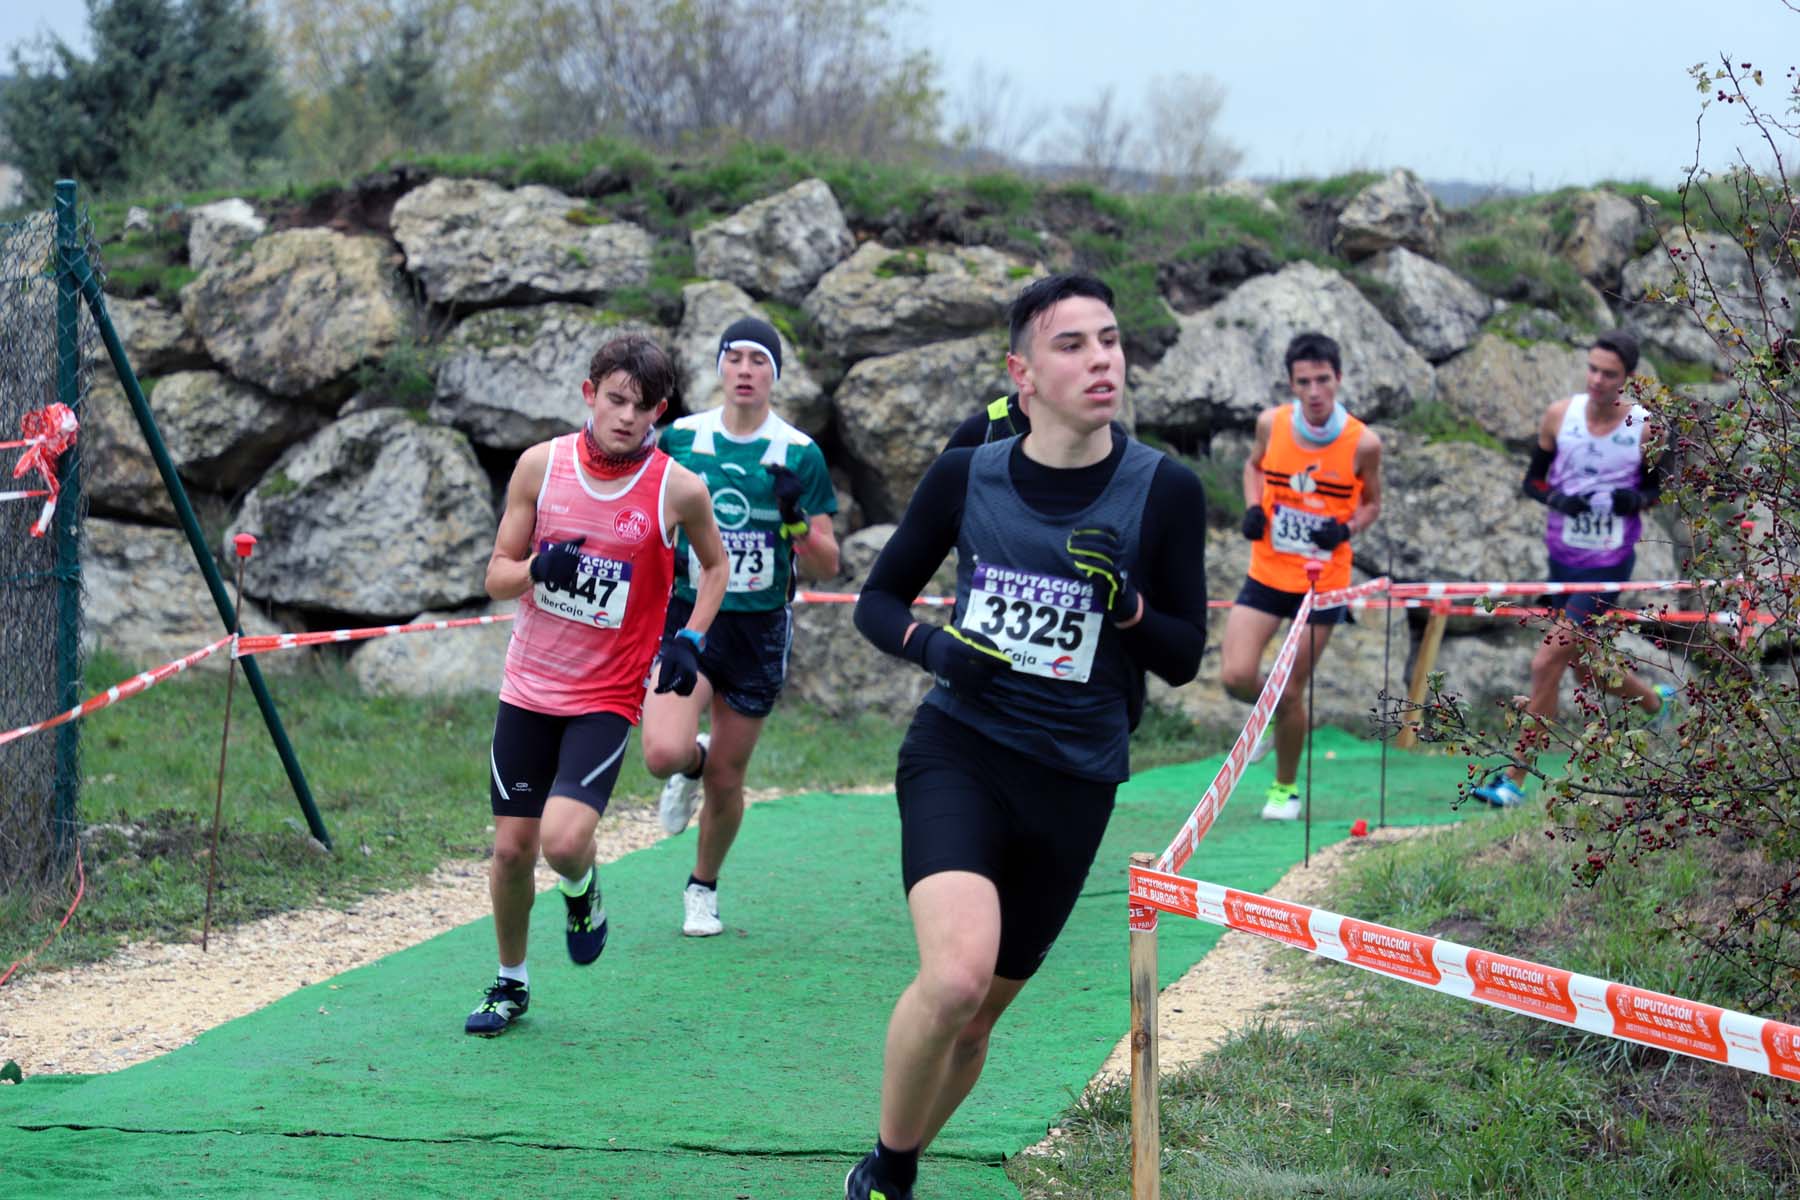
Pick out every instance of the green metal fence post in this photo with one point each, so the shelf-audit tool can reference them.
(83, 273)
(66, 529)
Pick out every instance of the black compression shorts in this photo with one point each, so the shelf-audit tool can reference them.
(971, 804)
(746, 654)
(1278, 603)
(536, 756)
(1583, 607)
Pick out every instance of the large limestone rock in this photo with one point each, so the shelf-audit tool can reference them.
(833, 666)
(511, 377)
(1436, 309)
(1227, 365)
(880, 301)
(1603, 237)
(146, 600)
(896, 412)
(299, 310)
(156, 340)
(1397, 211)
(216, 231)
(1714, 268)
(707, 310)
(223, 434)
(779, 246)
(377, 515)
(117, 472)
(438, 663)
(474, 242)
(1503, 388)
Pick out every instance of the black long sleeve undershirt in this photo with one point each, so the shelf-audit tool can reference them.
(1171, 573)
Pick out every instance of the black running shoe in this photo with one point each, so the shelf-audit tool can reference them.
(587, 923)
(861, 1183)
(505, 1003)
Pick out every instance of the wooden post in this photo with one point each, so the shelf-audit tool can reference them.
(1415, 690)
(1146, 1082)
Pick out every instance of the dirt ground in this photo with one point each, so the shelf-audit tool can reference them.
(152, 997)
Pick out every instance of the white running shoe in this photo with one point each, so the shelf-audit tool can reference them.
(1264, 744)
(702, 908)
(1282, 803)
(680, 796)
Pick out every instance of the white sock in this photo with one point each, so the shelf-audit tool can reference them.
(518, 973)
(574, 887)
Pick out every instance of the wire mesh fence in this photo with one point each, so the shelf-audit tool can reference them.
(49, 345)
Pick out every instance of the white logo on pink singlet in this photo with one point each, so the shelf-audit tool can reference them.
(632, 525)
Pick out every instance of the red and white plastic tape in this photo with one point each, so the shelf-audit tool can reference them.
(292, 641)
(1615, 1010)
(118, 692)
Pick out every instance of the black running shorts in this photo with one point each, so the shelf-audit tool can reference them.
(536, 756)
(1583, 607)
(970, 804)
(1278, 603)
(746, 654)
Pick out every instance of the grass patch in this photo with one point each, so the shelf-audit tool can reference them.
(401, 783)
(1377, 1088)
(1675, 372)
(1436, 421)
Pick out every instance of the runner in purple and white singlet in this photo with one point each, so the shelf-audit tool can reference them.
(1589, 469)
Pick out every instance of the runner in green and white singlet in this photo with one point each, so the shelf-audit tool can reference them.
(773, 501)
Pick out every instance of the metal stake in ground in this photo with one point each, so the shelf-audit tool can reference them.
(1387, 645)
(1313, 567)
(244, 544)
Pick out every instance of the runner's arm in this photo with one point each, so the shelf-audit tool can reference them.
(1368, 469)
(509, 567)
(1537, 472)
(816, 550)
(924, 538)
(690, 506)
(1253, 473)
(1170, 636)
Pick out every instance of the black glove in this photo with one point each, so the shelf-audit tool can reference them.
(788, 488)
(1095, 553)
(557, 564)
(1256, 523)
(1566, 504)
(1630, 501)
(680, 659)
(1330, 535)
(961, 659)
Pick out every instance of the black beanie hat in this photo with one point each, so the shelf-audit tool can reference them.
(750, 333)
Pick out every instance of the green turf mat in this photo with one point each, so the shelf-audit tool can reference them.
(100, 1162)
(763, 1042)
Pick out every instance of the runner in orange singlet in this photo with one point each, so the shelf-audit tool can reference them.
(587, 546)
(1312, 483)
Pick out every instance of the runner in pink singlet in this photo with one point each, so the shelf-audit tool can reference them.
(587, 547)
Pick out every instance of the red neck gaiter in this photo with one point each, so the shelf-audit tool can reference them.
(598, 463)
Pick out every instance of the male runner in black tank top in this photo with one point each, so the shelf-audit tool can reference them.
(1081, 562)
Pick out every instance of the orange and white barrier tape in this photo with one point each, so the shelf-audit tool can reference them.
(291, 641)
(1212, 801)
(1615, 1010)
(118, 692)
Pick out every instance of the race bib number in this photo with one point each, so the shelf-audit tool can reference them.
(751, 554)
(1292, 531)
(597, 598)
(1594, 531)
(1049, 626)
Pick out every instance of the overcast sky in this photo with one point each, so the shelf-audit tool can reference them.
(1522, 93)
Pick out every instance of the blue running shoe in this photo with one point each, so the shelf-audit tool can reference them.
(1500, 791)
(504, 1003)
(1663, 717)
(861, 1183)
(586, 933)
